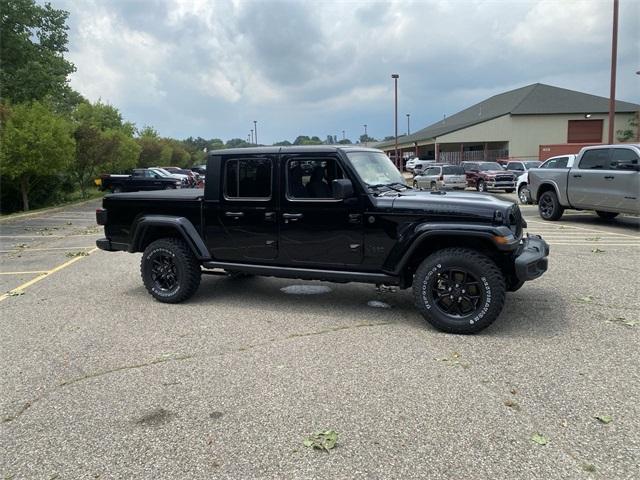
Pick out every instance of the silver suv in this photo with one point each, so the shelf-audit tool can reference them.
(442, 177)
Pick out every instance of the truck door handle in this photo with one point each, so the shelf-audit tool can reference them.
(575, 175)
(609, 177)
(234, 214)
(270, 216)
(292, 216)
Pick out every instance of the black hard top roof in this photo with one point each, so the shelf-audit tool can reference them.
(293, 149)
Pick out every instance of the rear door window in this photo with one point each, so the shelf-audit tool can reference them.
(623, 155)
(248, 178)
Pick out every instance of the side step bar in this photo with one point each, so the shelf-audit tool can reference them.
(338, 276)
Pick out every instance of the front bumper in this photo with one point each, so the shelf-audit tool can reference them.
(531, 258)
(500, 185)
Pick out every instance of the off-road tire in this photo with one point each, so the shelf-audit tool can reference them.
(490, 285)
(187, 270)
(481, 186)
(607, 215)
(549, 207)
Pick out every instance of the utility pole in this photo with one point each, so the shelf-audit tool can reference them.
(614, 56)
(252, 136)
(408, 124)
(255, 129)
(395, 77)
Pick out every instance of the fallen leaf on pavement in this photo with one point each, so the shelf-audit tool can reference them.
(604, 418)
(539, 439)
(323, 440)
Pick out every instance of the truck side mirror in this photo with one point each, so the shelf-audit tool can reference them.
(342, 188)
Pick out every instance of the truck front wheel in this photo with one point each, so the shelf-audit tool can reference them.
(549, 207)
(170, 271)
(459, 290)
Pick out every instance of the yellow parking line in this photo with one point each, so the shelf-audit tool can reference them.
(24, 273)
(44, 275)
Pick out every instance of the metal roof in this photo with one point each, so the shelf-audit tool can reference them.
(535, 99)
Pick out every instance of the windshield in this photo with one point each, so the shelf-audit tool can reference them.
(484, 166)
(453, 170)
(534, 164)
(161, 172)
(375, 168)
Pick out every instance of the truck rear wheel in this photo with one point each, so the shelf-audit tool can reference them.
(170, 271)
(481, 186)
(549, 207)
(459, 290)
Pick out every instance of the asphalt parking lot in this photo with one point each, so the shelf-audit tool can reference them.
(101, 381)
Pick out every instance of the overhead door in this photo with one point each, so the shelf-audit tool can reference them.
(584, 131)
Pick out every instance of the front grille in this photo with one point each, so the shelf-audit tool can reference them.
(504, 178)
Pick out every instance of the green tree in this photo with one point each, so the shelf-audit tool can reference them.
(34, 142)
(284, 143)
(631, 131)
(367, 139)
(237, 143)
(345, 141)
(150, 148)
(33, 39)
(104, 143)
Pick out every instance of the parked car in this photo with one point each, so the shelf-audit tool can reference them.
(604, 178)
(484, 176)
(200, 169)
(140, 179)
(420, 165)
(165, 173)
(442, 177)
(522, 185)
(521, 167)
(410, 164)
(261, 215)
(192, 177)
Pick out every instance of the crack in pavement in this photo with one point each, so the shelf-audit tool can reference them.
(165, 359)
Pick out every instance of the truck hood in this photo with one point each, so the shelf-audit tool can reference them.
(493, 173)
(446, 204)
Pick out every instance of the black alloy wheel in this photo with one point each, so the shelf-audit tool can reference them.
(549, 207)
(459, 290)
(482, 187)
(164, 272)
(170, 271)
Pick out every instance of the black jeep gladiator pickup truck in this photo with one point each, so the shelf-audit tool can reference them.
(340, 214)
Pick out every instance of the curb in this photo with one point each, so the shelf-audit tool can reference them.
(17, 216)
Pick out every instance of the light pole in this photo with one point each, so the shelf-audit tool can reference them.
(343, 137)
(252, 136)
(408, 124)
(614, 55)
(395, 77)
(366, 137)
(255, 129)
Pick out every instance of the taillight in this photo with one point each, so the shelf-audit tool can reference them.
(101, 216)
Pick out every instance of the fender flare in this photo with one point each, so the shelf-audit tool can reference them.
(181, 224)
(550, 183)
(425, 232)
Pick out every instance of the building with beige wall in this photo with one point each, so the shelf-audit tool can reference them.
(514, 125)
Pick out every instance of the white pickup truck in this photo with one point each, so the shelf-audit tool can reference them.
(604, 178)
(522, 184)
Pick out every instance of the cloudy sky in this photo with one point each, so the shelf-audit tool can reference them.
(209, 68)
